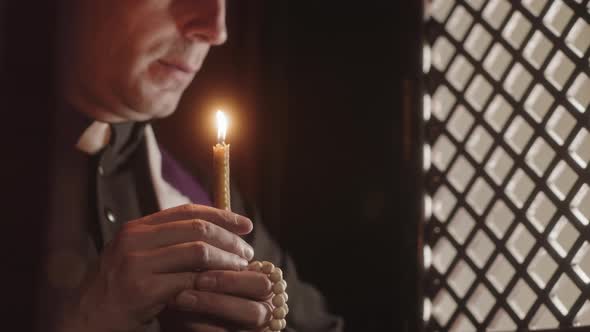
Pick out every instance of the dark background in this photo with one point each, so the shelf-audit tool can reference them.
(26, 103)
(324, 104)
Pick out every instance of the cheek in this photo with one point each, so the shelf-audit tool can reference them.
(137, 65)
(141, 56)
(134, 33)
(151, 34)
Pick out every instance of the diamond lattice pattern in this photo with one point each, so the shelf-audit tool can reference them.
(509, 125)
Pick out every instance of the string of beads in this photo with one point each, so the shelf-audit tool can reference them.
(279, 299)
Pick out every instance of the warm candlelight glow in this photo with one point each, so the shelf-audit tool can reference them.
(222, 197)
(221, 126)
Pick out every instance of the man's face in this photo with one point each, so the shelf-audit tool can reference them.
(132, 59)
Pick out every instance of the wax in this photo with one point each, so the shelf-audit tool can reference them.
(221, 176)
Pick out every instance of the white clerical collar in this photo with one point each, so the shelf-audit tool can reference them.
(94, 138)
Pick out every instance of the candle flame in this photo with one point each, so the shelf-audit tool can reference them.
(221, 126)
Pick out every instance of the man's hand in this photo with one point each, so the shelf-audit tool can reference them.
(155, 258)
(222, 301)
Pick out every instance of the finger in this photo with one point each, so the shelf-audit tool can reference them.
(231, 221)
(190, 256)
(172, 233)
(165, 287)
(248, 284)
(242, 312)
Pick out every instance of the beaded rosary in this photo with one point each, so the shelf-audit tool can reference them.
(277, 321)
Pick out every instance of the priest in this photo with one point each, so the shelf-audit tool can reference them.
(133, 242)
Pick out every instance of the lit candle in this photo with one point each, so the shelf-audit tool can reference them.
(221, 166)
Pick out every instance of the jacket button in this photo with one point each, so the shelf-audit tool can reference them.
(110, 215)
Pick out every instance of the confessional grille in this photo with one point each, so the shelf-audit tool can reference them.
(507, 153)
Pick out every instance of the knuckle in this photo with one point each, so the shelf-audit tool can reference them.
(266, 286)
(202, 253)
(201, 227)
(260, 313)
(191, 281)
(238, 246)
(219, 280)
(189, 208)
(225, 215)
(205, 300)
(184, 209)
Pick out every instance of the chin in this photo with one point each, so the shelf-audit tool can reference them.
(153, 100)
(159, 105)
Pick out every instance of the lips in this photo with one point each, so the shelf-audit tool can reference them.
(179, 65)
(171, 75)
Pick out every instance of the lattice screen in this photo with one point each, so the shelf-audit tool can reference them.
(507, 154)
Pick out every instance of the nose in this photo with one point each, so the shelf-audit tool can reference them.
(206, 21)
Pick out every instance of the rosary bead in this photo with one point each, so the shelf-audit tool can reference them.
(267, 267)
(255, 266)
(279, 300)
(284, 283)
(275, 325)
(279, 287)
(279, 313)
(276, 275)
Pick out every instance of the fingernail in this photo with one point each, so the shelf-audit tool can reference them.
(186, 300)
(206, 282)
(243, 264)
(249, 253)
